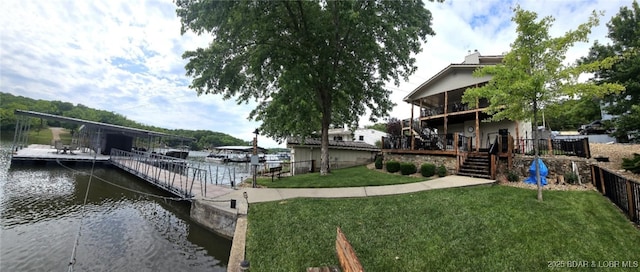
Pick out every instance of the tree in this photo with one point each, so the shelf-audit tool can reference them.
(624, 32)
(571, 114)
(533, 74)
(378, 126)
(308, 64)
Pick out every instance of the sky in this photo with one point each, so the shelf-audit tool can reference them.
(124, 56)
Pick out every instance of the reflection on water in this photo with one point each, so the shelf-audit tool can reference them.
(41, 211)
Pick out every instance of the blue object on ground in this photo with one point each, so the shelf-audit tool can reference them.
(544, 171)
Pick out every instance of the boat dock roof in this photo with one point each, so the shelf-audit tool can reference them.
(110, 127)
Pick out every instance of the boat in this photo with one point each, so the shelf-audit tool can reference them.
(169, 152)
(273, 160)
(217, 158)
(180, 154)
(240, 154)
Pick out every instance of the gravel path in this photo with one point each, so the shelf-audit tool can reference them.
(615, 153)
(55, 132)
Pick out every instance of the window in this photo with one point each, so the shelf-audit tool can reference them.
(337, 138)
(361, 138)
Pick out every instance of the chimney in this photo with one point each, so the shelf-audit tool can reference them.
(473, 58)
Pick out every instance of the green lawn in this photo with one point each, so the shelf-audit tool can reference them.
(494, 228)
(346, 177)
(40, 136)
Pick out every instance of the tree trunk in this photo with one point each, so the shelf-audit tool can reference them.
(324, 147)
(536, 149)
(324, 150)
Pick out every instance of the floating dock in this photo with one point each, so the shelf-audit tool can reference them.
(36, 153)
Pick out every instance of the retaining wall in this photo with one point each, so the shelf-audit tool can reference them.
(557, 165)
(216, 218)
(418, 160)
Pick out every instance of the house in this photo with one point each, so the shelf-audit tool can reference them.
(444, 120)
(367, 135)
(305, 155)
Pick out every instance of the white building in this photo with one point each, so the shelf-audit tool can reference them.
(366, 135)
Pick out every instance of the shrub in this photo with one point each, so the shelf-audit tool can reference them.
(378, 162)
(570, 178)
(512, 176)
(632, 164)
(408, 168)
(427, 169)
(442, 171)
(393, 166)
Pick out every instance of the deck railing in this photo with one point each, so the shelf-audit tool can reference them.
(568, 147)
(623, 192)
(441, 142)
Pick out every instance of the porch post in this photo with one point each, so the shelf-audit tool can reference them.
(413, 139)
(517, 142)
(446, 102)
(477, 124)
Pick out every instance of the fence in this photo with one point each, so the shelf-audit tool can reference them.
(304, 167)
(568, 147)
(623, 192)
(299, 167)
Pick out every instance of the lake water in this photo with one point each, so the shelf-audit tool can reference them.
(42, 210)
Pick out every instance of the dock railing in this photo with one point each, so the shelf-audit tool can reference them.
(172, 174)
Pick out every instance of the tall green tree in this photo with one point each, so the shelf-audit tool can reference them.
(308, 64)
(534, 74)
(570, 114)
(624, 32)
(378, 126)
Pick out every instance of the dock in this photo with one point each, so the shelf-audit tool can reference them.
(130, 149)
(174, 175)
(38, 153)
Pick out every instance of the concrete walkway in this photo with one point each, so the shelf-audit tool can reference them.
(255, 195)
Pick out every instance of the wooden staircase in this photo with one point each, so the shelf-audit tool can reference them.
(477, 165)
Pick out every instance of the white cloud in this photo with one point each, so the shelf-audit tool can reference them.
(125, 56)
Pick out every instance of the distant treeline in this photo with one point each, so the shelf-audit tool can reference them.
(9, 103)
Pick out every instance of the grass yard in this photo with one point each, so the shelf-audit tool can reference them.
(494, 228)
(40, 136)
(346, 177)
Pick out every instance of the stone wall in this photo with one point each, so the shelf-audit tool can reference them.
(215, 218)
(557, 165)
(418, 160)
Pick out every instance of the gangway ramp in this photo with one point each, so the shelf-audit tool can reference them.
(174, 175)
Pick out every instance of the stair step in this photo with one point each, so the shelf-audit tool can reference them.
(477, 162)
(486, 169)
(480, 171)
(475, 175)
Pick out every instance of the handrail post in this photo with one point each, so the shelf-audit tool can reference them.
(455, 141)
(493, 166)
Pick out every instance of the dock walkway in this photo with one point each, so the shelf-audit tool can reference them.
(174, 175)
